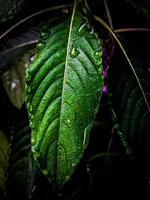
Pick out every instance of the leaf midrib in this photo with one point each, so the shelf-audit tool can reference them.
(65, 72)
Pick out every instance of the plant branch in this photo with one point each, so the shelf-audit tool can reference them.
(108, 13)
(18, 46)
(103, 154)
(101, 21)
(123, 30)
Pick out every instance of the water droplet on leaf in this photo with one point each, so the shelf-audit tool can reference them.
(74, 52)
(99, 61)
(32, 59)
(33, 141)
(45, 35)
(68, 121)
(40, 45)
(30, 108)
(32, 125)
(82, 29)
(28, 105)
(98, 54)
(100, 70)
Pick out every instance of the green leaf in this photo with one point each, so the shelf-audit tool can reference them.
(13, 80)
(3, 160)
(63, 92)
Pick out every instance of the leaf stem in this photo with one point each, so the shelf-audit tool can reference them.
(34, 15)
(19, 46)
(103, 154)
(123, 30)
(108, 13)
(101, 21)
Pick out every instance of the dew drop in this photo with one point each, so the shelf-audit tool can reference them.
(98, 54)
(40, 45)
(31, 125)
(99, 61)
(45, 172)
(37, 154)
(32, 58)
(33, 141)
(45, 35)
(100, 70)
(30, 108)
(74, 52)
(68, 121)
(28, 105)
(82, 29)
(28, 77)
(73, 164)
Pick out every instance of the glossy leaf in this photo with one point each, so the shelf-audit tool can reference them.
(3, 160)
(63, 93)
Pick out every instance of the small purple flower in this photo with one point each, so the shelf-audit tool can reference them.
(104, 73)
(104, 89)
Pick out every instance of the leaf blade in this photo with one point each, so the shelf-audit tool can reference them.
(66, 82)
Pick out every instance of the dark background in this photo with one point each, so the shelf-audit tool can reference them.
(112, 174)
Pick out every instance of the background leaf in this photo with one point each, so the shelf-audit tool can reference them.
(13, 79)
(133, 115)
(3, 160)
(63, 93)
(22, 168)
(9, 8)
